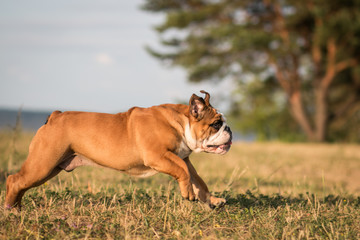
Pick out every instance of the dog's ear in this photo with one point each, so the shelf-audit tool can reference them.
(197, 106)
(207, 98)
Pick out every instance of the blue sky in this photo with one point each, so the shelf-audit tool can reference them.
(84, 55)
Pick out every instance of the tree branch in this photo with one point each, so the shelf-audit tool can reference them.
(330, 66)
(280, 24)
(350, 103)
(345, 64)
(280, 76)
(315, 49)
(316, 54)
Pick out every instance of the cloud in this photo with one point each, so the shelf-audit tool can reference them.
(104, 59)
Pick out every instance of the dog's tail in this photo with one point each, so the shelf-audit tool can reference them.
(51, 116)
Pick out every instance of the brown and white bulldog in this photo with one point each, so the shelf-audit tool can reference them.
(140, 142)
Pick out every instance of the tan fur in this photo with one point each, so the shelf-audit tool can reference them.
(140, 142)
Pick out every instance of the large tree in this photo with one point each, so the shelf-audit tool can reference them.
(306, 52)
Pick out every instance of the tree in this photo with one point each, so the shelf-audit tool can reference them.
(308, 51)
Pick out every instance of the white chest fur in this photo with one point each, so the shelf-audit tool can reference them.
(184, 150)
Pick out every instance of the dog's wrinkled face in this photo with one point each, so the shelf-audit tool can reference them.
(207, 131)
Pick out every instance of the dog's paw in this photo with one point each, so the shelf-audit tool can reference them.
(12, 209)
(7, 207)
(187, 191)
(216, 202)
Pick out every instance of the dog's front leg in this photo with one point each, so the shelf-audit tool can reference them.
(174, 166)
(201, 190)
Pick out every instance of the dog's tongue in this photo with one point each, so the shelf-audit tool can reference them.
(224, 146)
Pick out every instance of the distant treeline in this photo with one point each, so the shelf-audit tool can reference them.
(29, 120)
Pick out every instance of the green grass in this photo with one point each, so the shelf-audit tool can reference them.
(274, 191)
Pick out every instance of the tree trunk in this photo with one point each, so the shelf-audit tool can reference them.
(299, 115)
(321, 114)
(318, 132)
(293, 90)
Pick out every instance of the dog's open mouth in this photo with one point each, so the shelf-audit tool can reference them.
(223, 147)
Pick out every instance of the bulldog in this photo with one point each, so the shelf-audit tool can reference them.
(140, 142)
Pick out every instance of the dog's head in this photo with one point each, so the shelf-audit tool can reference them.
(207, 130)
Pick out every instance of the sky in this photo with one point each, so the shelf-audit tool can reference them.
(86, 55)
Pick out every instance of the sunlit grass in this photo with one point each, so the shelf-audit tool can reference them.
(274, 191)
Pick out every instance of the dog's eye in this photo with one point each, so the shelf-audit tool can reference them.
(217, 125)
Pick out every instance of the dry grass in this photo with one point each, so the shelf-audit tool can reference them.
(274, 191)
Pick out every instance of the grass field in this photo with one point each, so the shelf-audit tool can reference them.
(274, 191)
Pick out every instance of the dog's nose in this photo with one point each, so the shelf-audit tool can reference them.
(227, 128)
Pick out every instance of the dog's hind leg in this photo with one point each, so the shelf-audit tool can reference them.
(19, 183)
(40, 165)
